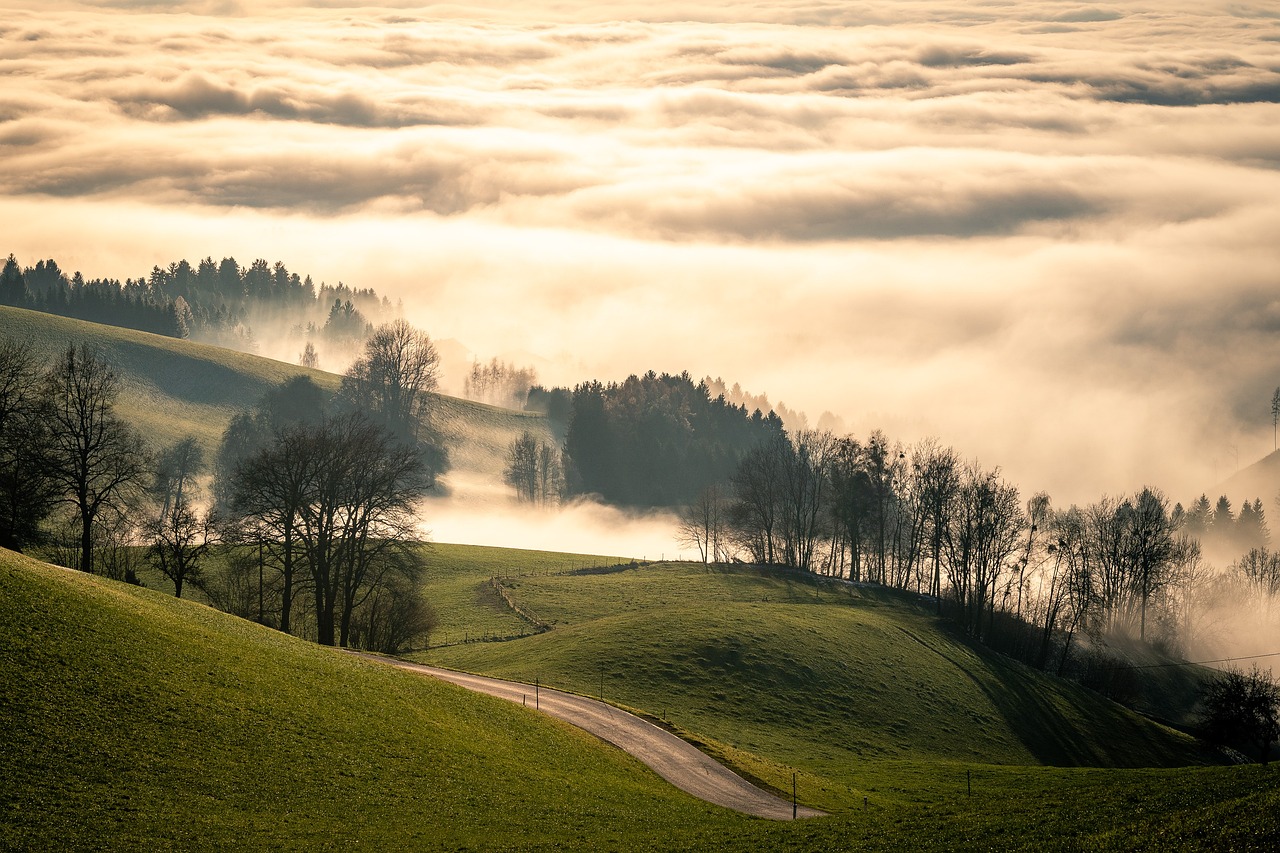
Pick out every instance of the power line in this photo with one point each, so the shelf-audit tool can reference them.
(1199, 662)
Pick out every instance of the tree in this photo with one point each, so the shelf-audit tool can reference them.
(391, 379)
(757, 508)
(96, 460)
(533, 470)
(985, 522)
(1275, 419)
(1242, 709)
(339, 496)
(180, 538)
(702, 524)
(1151, 548)
(179, 534)
(26, 489)
(309, 357)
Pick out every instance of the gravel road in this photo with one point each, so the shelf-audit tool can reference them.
(673, 759)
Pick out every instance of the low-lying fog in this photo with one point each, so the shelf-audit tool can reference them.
(479, 511)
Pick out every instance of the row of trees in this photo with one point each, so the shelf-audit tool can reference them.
(919, 518)
(499, 383)
(219, 302)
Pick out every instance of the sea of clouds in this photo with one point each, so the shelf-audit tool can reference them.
(1046, 232)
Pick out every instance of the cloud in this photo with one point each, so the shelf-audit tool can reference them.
(1044, 232)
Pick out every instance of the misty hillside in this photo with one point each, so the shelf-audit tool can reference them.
(174, 388)
(1259, 480)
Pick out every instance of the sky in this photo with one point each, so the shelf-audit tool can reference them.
(1046, 233)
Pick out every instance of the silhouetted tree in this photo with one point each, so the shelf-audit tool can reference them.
(26, 489)
(1275, 419)
(533, 470)
(1242, 709)
(179, 539)
(96, 460)
(392, 378)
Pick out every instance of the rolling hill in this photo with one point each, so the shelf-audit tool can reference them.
(829, 677)
(136, 721)
(173, 388)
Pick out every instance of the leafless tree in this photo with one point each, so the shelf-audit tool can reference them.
(756, 511)
(179, 539)
(391, 379)
(702, 524)
(26, 491)
(96, 460)
(986, 520)
(534, 470)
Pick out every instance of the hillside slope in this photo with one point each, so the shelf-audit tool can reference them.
(174, 388)
(827, 677)
(135, 721)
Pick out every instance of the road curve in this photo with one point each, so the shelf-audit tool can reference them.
(673, 759)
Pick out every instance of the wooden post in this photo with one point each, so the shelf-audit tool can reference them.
(793, 796)
(537, 698)
(968, 781)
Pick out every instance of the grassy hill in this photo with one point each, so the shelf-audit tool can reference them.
(173, 388)
(135, 721)
(781, 670)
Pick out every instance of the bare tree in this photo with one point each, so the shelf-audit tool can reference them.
(1275, 418)
(534, 470)
(1150, 549)
(26, 490)
(985, 522)
(804, 495)
(756, 511)
(702, 524)
(180, 538)
(96, 460)
(179, 534)
(390, 381)
(309, 357)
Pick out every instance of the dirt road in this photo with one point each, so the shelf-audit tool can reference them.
(670, 757)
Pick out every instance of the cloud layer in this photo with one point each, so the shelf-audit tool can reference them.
(1044, 231)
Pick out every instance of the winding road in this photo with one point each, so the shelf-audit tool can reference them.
(673, 759)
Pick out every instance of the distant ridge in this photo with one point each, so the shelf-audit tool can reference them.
(1259, 480)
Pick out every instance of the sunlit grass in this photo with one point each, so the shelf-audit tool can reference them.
(132, 720)
(783, 672)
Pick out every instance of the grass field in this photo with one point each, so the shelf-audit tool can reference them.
(134, 721)
(468, 607)
(778, 671)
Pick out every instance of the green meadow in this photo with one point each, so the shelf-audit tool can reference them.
(137, 721)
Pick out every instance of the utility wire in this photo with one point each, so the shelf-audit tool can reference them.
(1196, 662)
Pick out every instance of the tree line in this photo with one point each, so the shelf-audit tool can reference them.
(648, 441)
(213, 301)
(313, 497)
(1022, 574)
